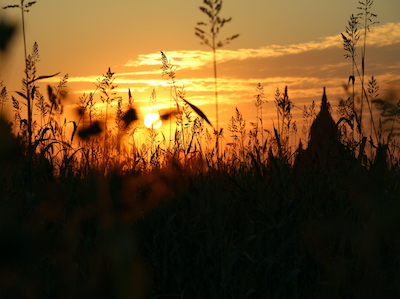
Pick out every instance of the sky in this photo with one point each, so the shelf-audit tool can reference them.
(281, 43)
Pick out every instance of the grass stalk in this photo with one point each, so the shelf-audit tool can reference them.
(209, 38)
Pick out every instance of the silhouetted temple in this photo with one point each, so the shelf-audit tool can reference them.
(342, 199)
(324, 145)
(324, 131)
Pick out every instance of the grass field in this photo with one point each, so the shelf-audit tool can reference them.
(88, 212)
(260, 221)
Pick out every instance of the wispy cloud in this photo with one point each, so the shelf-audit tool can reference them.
(180, 59)
(379, 36)
(384, 35)
(305, 68)
(147, 71)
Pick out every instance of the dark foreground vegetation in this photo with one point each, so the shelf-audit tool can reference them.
(87, 212)
(321, 222)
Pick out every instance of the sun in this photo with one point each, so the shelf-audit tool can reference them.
(152, 120)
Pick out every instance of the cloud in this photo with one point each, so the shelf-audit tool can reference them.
(179, 59)
(305, 68)
(379, 36)
(153, 72)
(384, 35)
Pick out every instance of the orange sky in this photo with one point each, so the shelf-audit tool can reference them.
(285, 42)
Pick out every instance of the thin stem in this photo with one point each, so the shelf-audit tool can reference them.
(29, 104)
(216, 97)
(27, 79)
(212, 10)
(170, 118)
(262, 127)
(23, 29)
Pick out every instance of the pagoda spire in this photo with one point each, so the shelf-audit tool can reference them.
(324, 103)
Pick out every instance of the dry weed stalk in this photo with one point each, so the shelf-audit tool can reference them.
(209, 37)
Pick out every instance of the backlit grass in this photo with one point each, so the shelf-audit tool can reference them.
(88, 211)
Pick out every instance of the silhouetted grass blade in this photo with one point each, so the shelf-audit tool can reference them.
(42, 77)
(22, 95)
(11, 6)
(74, 131)
(198, 111)
(29, 4)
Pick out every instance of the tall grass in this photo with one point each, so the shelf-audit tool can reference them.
(154, 221)
(88, 212)
(209, 36)
(362, 21)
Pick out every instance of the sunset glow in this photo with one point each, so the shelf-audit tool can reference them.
(152, 121)
(305, 58)
(248, 147)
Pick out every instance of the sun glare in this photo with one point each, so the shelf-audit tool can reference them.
(152, 120)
